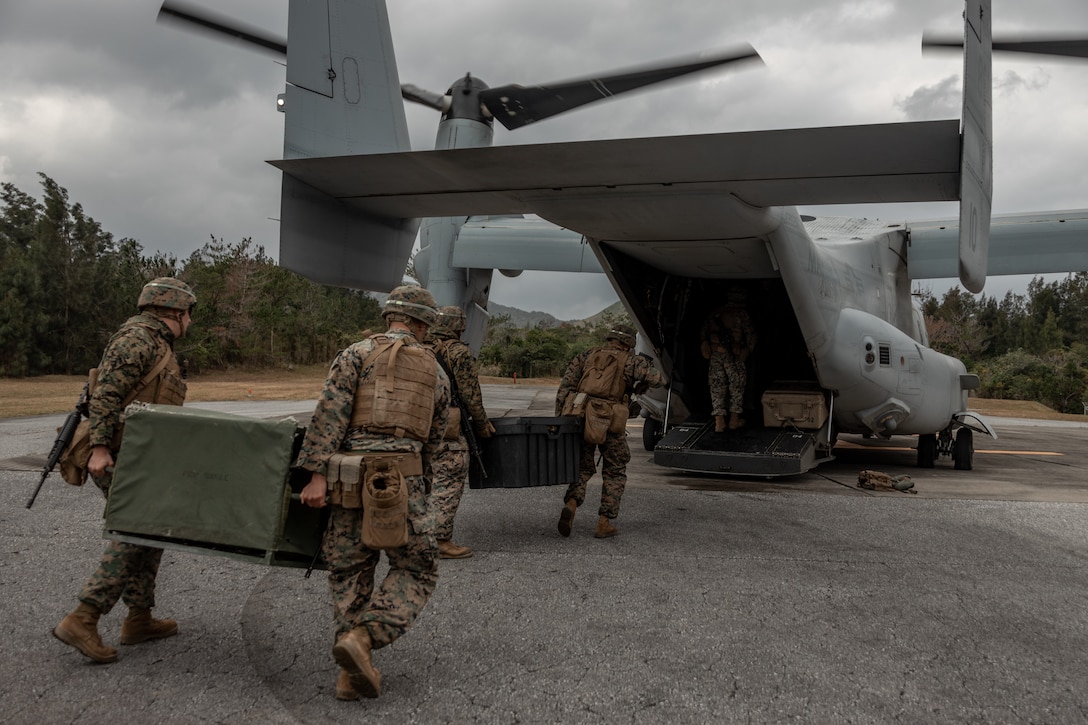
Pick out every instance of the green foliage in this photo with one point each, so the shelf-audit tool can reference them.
(541, 351)
(66, 285)
(1058, 379)
(1027, 347)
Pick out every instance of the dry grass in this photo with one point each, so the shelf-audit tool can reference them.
(59, 393)
(1020, 409)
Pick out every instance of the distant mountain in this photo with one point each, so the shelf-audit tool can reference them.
(523, 319)
(615, 309)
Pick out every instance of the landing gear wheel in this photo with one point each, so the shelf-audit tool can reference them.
(927, 450)
(963, 451)
(651, 433)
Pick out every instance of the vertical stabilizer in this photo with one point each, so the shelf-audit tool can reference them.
(343, 97)
(976, 161)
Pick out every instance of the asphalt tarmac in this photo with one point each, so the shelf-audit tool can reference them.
(805, 599)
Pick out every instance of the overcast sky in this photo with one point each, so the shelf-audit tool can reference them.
(162, 135)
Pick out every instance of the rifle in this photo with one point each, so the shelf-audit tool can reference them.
(466, 427)
(468, 432)
(64, 437)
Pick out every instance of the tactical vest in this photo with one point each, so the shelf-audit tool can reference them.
(168, 388)
(602, 374)
(397, 398)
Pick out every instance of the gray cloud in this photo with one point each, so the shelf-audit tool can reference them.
(940, 100)
(1010, 82)
(162, 134)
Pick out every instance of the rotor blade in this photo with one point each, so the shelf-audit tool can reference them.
(1070, 47)
(220, 25)
(415, 94)
(515, 106)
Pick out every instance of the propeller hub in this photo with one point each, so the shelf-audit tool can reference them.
(464, 95)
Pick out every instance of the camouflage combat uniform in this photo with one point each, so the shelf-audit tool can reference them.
(729, 335)
(615, 452)
(127, 571)
(389, 612)
(451, 460)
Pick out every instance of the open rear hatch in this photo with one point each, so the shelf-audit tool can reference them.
(793, 437)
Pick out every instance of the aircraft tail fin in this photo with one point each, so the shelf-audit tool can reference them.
(976, 156)
(343, 97)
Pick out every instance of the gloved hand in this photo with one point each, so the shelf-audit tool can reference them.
(486, 430)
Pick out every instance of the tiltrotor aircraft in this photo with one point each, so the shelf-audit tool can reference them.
(676, 223)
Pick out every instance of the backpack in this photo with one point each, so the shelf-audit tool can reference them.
(602, 374)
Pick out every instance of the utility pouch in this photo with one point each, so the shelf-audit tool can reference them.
(575, 405)
(598, 420)
(73, 462)
(385, 499)
(453, 428)
(345, 477)
(77, 454)
(619, 417)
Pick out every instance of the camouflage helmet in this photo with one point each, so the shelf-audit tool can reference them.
(167, 292)
(451, 320)
(623, 334)
(415, 302)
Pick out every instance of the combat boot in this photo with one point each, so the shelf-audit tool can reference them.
(140, 626)
(719, 423)
(344, 689)
(80, 630)
(735, 421)
(449, 550)
(566, 516)
(352, 653)
(604, 528)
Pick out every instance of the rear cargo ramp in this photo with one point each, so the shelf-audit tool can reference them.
(763, 452)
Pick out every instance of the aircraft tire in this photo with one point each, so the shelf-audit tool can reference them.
(927, 450)
(963, 451)
(651, 433)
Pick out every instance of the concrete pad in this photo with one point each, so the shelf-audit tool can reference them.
(719, 600)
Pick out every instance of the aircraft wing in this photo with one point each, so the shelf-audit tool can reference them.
(518, 243)
(1037, 243)
(664, 188)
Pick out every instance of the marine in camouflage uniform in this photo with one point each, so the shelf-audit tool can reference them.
(639, 375)
(451, 460)
(365, 618)
(727, 339)
(138, 364)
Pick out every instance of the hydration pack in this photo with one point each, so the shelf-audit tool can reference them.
(602, 375)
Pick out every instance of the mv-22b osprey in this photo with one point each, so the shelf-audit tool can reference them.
(676, 223)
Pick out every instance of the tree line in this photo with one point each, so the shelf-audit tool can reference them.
(1031, 346)
(66, 285)
(543, 350)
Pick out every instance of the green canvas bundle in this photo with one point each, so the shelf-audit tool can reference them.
(192, 478)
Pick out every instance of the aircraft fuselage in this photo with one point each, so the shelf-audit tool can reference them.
(833, 311)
